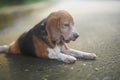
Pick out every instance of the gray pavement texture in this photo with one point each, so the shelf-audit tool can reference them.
(98, 23)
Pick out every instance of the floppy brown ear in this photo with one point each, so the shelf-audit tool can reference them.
(53, 28)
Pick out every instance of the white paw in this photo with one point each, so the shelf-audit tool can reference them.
(91, 56)
(70, 59)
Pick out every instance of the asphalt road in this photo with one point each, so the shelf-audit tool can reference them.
(98, 23)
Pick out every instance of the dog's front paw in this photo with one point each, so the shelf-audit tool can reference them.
(91, 56)
(70, 59)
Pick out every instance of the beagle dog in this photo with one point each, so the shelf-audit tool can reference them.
(48, 40)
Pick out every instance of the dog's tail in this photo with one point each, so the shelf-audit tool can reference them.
(4, 48)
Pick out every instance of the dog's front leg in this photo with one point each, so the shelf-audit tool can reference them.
(79, 54)
(55, 53)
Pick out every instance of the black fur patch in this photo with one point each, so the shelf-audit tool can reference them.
(26, 42)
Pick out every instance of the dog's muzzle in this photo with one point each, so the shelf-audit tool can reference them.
(73, 37)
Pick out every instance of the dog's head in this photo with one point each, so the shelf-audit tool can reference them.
(60, 26)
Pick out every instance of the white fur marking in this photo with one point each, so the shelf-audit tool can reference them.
(4, 48)
(55, 53)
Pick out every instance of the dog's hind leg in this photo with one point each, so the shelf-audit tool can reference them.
(13, 48)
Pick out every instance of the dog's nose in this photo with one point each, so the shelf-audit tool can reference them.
(76, 35)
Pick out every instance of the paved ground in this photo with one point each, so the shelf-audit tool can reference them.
(99, 26)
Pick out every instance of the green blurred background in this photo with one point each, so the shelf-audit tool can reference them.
(4, 3)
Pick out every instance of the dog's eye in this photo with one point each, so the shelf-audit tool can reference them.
(67, 25)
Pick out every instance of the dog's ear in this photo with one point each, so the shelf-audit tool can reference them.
(53, 28)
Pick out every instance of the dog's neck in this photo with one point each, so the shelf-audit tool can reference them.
(40, 31)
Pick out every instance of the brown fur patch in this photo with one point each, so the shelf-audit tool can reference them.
(14, 48)
(40, 47)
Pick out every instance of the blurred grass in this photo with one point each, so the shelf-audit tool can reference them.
(9, 12)
(7, 3)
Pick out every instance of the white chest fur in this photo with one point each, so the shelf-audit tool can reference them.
(53, 52)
